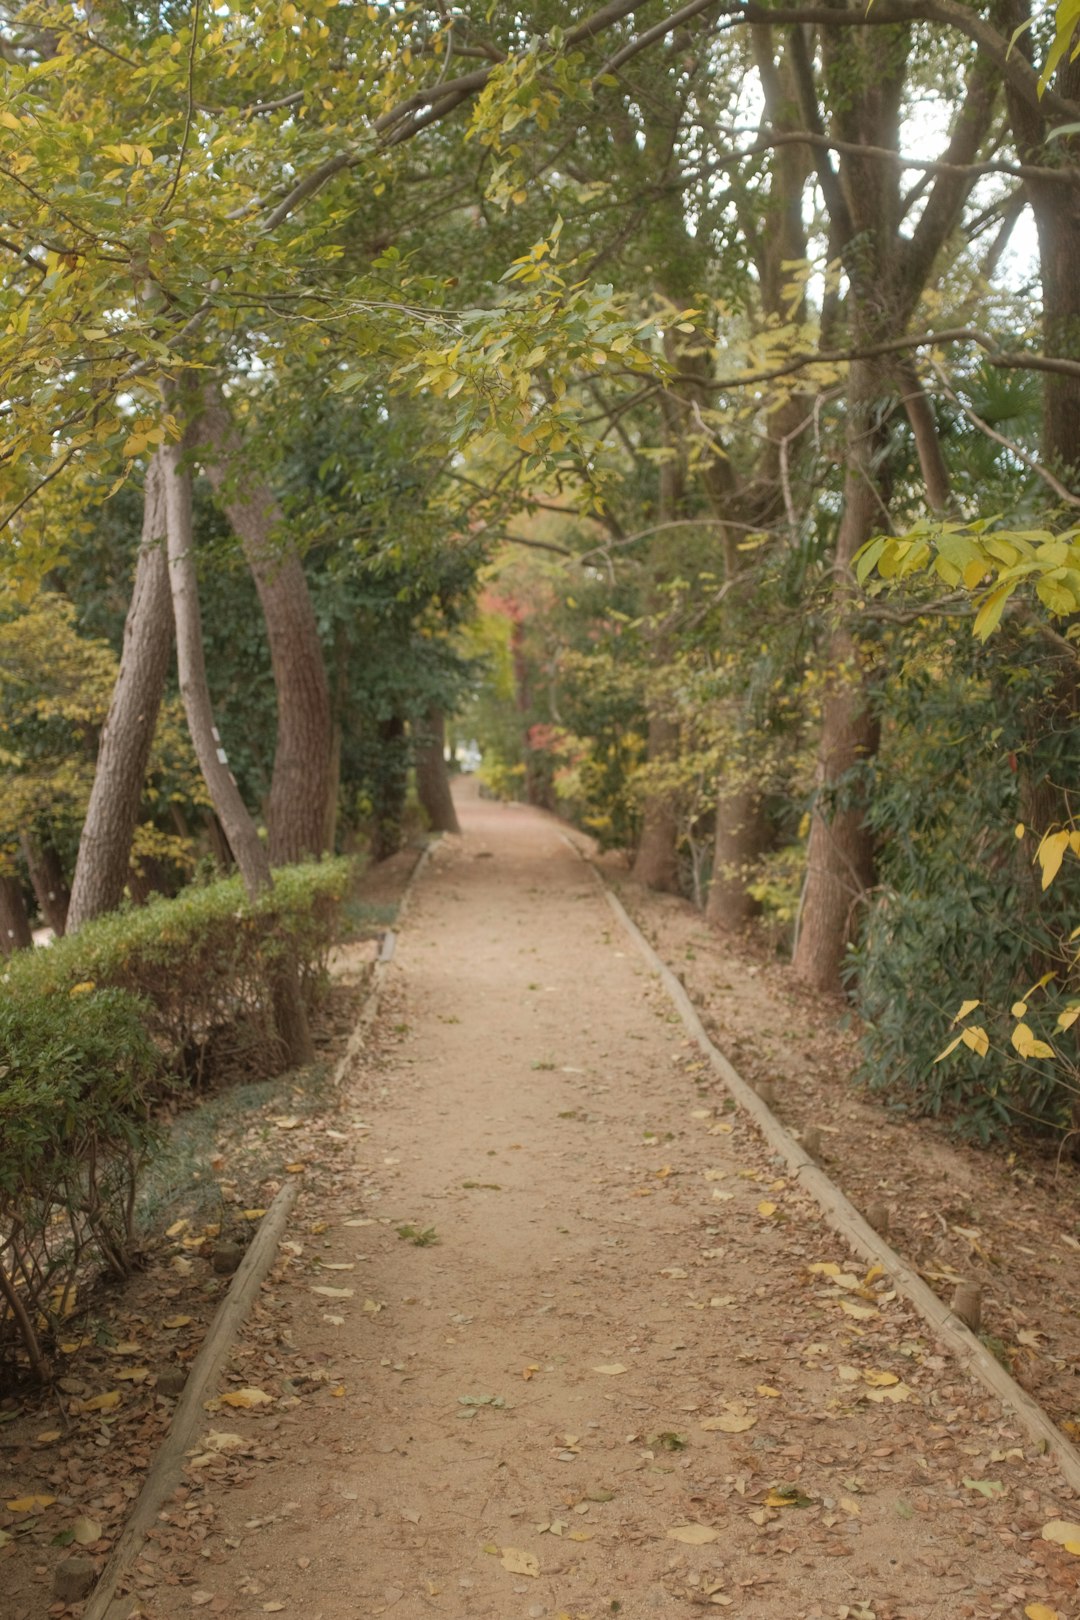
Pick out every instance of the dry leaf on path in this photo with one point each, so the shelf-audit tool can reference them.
(766, 1208)
(29, 1504)
(893, 1392)
(729, 1423)
(107, 1402)
(519, 1562)
(611, 1369)
(86, 1531)
(246, 1398)
(1064, 1532)
(1041, 1611)
(335, 1293)
(173, 1322)
(694, 1535)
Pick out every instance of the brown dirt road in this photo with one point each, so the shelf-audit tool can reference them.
(613, 1386)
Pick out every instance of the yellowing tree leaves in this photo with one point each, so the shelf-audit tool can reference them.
(519, 1562)
(693, 1535)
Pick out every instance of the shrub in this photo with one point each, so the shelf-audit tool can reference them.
(76, 1071)
(204, 963)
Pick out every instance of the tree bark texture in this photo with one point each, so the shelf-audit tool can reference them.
(47, 878)
(101, 868)
(390, 789)
(656, 863)
(297, 815)
(840, 857)
(741, 836)
(432, 776)
(15, 932)
(236, 822)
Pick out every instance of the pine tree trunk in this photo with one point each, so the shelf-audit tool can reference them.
(300, 787)
(432, 777)
(101, 869)
(237, 824)
(48, 880)
(741, 836)
(15, 932)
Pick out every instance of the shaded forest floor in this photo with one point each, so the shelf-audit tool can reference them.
(551, 1335)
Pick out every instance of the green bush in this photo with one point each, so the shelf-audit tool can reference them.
(974, 741)
(204, 963)
(76, 1072)
(91, 1030)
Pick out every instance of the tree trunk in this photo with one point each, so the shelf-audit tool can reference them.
(432, 777)
(656, 863)
(47, 878)
(15, 932)
(741, 836)
(840, 858)
(101, 869)
(390, 789)
(236, 823)
(300, 786)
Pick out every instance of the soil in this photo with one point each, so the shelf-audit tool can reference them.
(553, 1338)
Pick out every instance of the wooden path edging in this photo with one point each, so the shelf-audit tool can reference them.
(190, 1416)
(846, 1221)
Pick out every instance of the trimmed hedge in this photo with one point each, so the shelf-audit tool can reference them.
(96, 1026)
(203, 963)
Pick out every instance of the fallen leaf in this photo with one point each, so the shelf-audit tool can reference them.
(295, 1169)
(200, 1598)
(879, 1380)
(274, 1607)
(5, 1538)
(518, 1562)
(765, 1209)
(1041, 1611)
(373, 1306)
(218, 1440)
(337, 1265)
(287, 1122)
(106, 1402)
(1062, 1531)
(729, 1423)
(335, 1293)
(611, 1369)
(767, 1390)
(253, 1214)
(173, 1322)
(29, 1504)
(990, 1488)
(48, 1437)
(134, 1375)
(580, 1535)
(849, 1505)
(86, 1531)
(861, 1313)
(246, 1398)
(894, 1393)
(694, 1535)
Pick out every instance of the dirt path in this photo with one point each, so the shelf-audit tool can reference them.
(613, 1385)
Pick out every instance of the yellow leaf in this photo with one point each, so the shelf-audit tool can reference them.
(173, 1322)
(373, 1306)
(729, 1423)
(48, 1437)
(967, 1007)
(1068, 1018)
(953, 1044)
(1041, 1611)
(519, 1562)
(86, 1531)
(861, 1313)
(765, 1209)
(849, 1505)
(580, 1535)
(977, 1039)
(287, 1122)
(1023, 1038)
(29, 1504)
(107, 1402)
(177, 1227)
(693, 1535)
(246, 1398)
(897, 1392)
(611, 1369)
(253, 1214)
(767, 1389)
(295, 1169)
(82, 989)
(1050, 854)
(335, 1293)
(1062, 1531)
(880, 1380)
